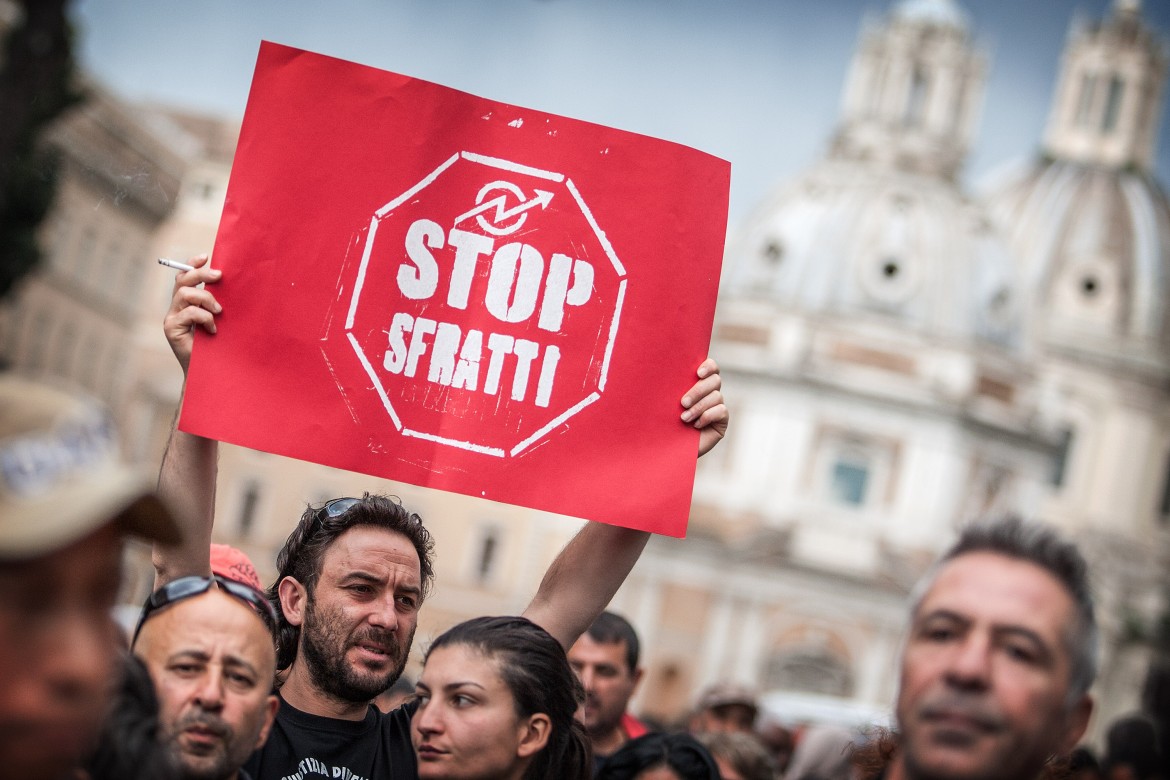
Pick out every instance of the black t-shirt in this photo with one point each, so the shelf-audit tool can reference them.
(307, 747)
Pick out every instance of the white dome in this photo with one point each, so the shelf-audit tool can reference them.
(851, 241)
(1095, 248)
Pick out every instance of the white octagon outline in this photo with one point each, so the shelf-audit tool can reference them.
(619, 269)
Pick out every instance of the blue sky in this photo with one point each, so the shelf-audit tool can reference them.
(757, 82)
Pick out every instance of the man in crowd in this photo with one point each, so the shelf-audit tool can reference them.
(209, 645)
(606, 660)
(65, 505)
(725, 706)
(353, 576)
(999, 657)
(212, 658)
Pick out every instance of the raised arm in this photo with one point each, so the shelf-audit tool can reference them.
(586, 574)
(186, 480)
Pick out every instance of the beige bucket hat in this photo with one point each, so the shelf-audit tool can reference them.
(61, 477)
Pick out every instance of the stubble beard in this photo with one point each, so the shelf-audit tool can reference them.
(213, 765)
(603, 726)
(324, 649)
(992, 763)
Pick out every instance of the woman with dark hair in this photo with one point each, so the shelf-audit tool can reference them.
(660, 757)
(496, 700)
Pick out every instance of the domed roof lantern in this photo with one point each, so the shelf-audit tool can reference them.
(880, 231)
(1087, 221)
(914, 91)
(1109, 96)
(943, 13)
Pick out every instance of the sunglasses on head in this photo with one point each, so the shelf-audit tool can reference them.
(336, 508)
(189, 587)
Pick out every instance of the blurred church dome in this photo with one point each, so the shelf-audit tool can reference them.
(880, 228)
(1088, 222)
(843, 240)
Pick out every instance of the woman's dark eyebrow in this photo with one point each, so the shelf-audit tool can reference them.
(461, 683)
(421, 686)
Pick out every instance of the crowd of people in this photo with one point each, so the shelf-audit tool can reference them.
(223, 679)
(727, 737)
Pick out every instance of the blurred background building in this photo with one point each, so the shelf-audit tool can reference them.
(900, 355)
(903, 355)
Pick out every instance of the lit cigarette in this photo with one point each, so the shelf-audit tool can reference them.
(175, 264)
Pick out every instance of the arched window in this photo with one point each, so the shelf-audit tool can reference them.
(1112, 104)
(488, 548)
(1164, 505)
(808, 671)
(916, 104)
(483, 555)
(248, 502)
(1085, 100)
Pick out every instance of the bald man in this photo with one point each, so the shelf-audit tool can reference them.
(212, 658)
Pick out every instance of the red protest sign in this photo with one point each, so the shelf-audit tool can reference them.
(432, 287)
(507, 308)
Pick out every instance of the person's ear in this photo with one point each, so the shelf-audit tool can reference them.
(293, 598)
(271, 705)
(534, 734)
(637, 676)
(1078, 723)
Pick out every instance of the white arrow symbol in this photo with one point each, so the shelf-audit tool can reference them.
(541, 198)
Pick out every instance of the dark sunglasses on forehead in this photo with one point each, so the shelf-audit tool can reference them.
(189, 587)
(336, 508)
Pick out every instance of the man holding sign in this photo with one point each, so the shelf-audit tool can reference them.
(457, 293)
(354, 574)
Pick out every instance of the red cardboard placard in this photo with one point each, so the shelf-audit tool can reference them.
(444, 290)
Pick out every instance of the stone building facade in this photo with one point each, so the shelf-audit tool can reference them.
(904, 355)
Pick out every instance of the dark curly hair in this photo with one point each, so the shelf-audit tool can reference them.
(536, 670)
(303, 551)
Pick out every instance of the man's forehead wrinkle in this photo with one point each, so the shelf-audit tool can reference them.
(374, 555)
(1017, 595)
(210, 624)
